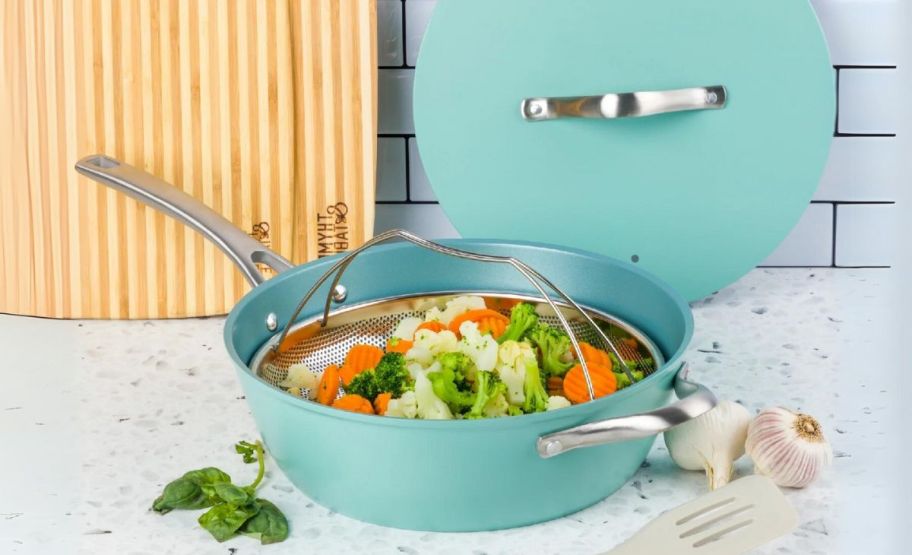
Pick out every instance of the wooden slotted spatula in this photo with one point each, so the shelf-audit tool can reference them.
(745, 514)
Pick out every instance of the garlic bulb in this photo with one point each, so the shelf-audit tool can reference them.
(788, 447)
(712, 442)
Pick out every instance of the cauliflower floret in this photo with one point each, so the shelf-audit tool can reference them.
(454, 307)
(403, 407)
(406, 328)
(482, 349)
(301, 381)
(512, 358)
(557, 402)
(430, 407)
(429, 344)
(498, 406)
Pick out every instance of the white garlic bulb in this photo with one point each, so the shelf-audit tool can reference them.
(788, 447)
(712, 442)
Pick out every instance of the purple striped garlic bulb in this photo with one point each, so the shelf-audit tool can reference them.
(788, 447)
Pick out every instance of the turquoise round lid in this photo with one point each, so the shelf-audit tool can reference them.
(698, 197)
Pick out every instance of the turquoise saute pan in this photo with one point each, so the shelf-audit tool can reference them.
(453, 475)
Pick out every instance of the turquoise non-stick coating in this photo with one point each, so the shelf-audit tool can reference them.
(456, 475)
(699, 197)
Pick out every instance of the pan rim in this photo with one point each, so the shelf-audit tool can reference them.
(565, 417)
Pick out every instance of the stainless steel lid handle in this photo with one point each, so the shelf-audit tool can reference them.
(624, 105)
(244, 250)
(694, 400)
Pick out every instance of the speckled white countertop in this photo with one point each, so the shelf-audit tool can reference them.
(96, 416)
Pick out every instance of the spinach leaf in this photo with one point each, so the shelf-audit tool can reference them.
(182, 493)
(247, 450)
(269, 525)
(230, 493)
(223, 521)
(193, 490)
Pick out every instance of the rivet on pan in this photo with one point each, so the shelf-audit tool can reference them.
(712, 97)
(635, 258)
(553, 447)
(272, 321)
(535, 108)
(340, 293)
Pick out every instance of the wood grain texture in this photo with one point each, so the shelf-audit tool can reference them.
(264, 110)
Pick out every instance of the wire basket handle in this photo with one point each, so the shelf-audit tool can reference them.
(535, 278)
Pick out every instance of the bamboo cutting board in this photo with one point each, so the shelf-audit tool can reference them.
(264, 110)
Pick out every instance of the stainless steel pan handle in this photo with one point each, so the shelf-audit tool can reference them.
(244, 250)
(624, 105)
(694, 400)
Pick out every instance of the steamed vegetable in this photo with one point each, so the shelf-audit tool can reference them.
(449, 382)
(514, 358)
(490, 397)
(328, 387)
(555, 348)
(522, 319)
(482, 349)
(603, 380)
(430, 406)
(353, 403)
(536, 398)
(488, 321)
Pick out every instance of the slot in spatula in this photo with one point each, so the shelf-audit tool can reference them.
(745, 514)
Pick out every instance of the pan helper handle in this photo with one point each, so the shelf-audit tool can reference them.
(693, 400)
(244, 250)
(624, 105)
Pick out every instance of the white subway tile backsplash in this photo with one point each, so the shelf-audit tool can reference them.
(395, 101)
(418, 14)
(418, 179)
(860, 168)
(866, 234)
(390, 169)
(425, 220)
(861, 32)
(389, 33)
(811, 241)
(868, 100)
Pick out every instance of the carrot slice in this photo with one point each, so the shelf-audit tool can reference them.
(381, 402)
(593, 354)
(398, 345)
(603, 382)
(359, 358)
(477, 315)
(555, 385)
(499, 303)
(433, 325)
(494, 326)
(353, 403)
(329, 385)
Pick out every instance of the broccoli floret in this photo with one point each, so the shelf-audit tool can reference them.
(449, 382)
(522, 319)
(364, 384)
(390, 375)
(462, 367)
(554, 345)
(534, 390)
(488, 387)
(623, 381)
